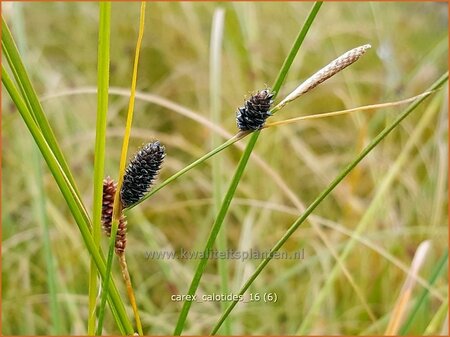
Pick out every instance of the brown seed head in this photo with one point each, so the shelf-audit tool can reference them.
(109, 191)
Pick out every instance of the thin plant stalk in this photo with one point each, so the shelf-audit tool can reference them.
(296, 46)
(347, 111)
(215, 107)
(321, 197)
(39, 203)
(214, 232)
(377, 202)
(29, 98)
(240, 170)
(117, 210)
(69, 194)
(100, 143)
(130, 291)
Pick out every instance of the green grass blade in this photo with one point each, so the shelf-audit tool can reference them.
(29, 94)
(107, 279)
(215, 230)
(73, 202)
(117, 208)
(438, 269)
(322, 196)
(371, 211)
(215, 65)
(100, 143)
(296, 46)
(32, 105)
(39, 204)
(240, 170)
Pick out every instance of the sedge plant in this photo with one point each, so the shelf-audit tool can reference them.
(39, 129)
(25, 99)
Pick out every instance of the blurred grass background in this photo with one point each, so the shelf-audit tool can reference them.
(410, 51)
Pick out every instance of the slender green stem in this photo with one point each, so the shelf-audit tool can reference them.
(438, 269)
(239, 171)
(73, 202)
(215, 230)
(321, 197)
(215, 71)
(106, 279)
(130, 291)
(39, 202)
(100, 143)
(117, 209)
(371, 212)
(29, 98)
(295, 47)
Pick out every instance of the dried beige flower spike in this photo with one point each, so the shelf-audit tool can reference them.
(325, 73)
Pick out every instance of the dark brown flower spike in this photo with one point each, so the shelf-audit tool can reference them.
(109, 191)
(255, 111)
(141, 173)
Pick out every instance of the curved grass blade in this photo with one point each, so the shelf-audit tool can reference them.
(39, 204)
(363, 108)
(77, 209)
(100, 143)
(373, 208)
